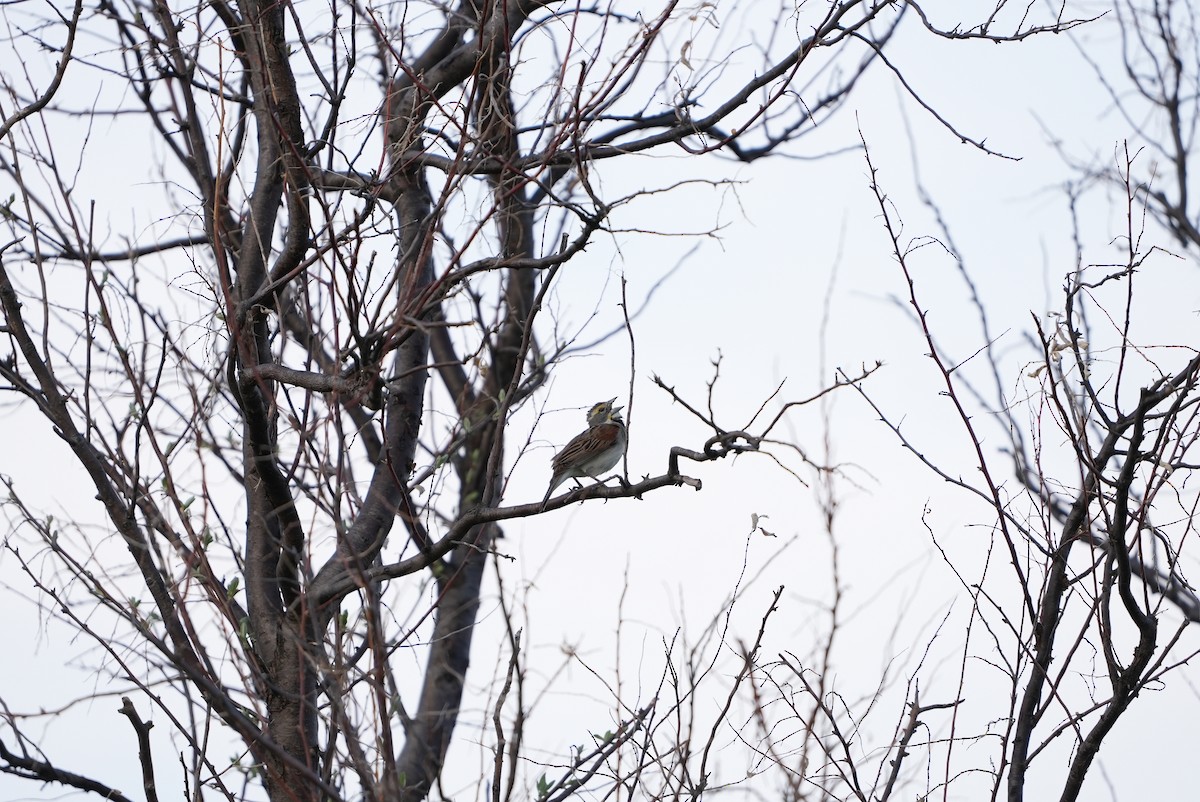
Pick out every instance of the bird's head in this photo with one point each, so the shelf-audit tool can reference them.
(604, 412)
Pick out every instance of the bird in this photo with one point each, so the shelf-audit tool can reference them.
(593, 451)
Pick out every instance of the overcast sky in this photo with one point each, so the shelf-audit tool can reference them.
(799, 281)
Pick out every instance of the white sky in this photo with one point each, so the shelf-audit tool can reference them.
(756, 296)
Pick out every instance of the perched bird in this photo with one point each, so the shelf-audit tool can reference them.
(592, 452)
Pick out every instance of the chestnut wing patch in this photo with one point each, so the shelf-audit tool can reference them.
(586, 445)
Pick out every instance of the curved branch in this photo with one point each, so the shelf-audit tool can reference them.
(55, 82)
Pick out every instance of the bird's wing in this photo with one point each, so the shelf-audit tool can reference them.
(585, 445)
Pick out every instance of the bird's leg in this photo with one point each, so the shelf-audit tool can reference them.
(620, 479)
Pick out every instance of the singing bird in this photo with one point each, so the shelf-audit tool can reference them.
(591, 452)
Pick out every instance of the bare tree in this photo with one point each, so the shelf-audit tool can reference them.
(1154, 91)
(1097, 565)
(1083, 600)
(321, 327)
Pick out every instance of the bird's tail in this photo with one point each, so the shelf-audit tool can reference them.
(554, 483)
